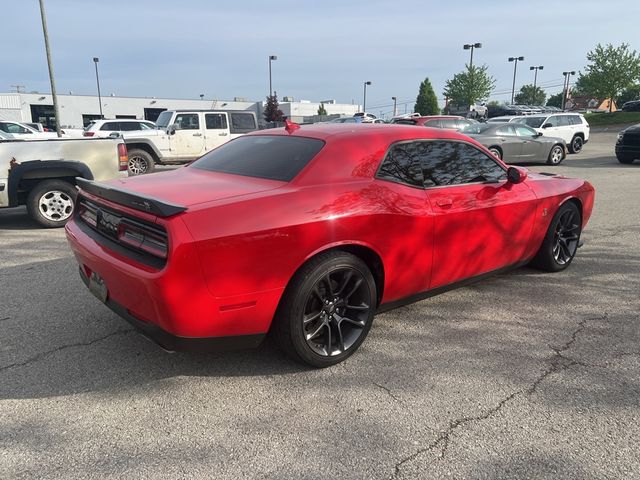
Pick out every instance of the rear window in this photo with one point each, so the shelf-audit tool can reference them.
(272, 157)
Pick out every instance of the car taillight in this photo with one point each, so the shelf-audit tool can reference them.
(143, 238)
(88, 214)
(123, 157)
(88, 134)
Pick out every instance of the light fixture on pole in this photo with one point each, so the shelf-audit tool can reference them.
(565, 87)
(95, 61)
(515, 69)
(364, 99)
(471, 46)
(535, 77)
(271, 59)
(395, 100)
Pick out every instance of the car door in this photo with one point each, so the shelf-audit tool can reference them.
(551, 128)
(216, 130)
(188, 140)
(482, 222)
(532, 147)
(509, 142)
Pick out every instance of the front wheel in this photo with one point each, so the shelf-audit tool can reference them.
(625, 159)
(556, 155)
(561, 241)
(327, 310)
(51, 203)
(576, 144)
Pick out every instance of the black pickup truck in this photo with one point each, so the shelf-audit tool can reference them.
(628, 144)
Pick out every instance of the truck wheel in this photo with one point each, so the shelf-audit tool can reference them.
(140, 162)
(51, 203)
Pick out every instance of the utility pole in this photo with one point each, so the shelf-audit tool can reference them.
(95, 61)
(471, 46)
(364, 99)
(395, 100)
(50, 65)
(565, 90)
(18, 87)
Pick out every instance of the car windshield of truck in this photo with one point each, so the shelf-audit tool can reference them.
(163, 119)
(475, 128)
(89, 125)
(534, 122)
(272, 157)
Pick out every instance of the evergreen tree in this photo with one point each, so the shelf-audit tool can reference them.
(271, 111)
(426, 102)
(322, 110)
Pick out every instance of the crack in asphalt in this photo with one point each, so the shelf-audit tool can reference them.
(388, 391)
(558, 362)
(5, 318)
(48, 353)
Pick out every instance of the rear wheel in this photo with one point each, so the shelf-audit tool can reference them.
(561, 240)
(576, 144)
(625, 159)
(496, 152)
(51, 203)
(327, 310)
(140, 162)
(556, 155)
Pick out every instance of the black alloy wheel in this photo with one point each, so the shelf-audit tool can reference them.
(561, 241)
(576, 144)
(327, 310)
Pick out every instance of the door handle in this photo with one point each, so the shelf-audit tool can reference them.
(444, 202)
(223, 134)
(197, 134)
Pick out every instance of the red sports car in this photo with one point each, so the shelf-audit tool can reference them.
(307, 232)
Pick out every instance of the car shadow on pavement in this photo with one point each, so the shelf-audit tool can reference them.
(17, 219)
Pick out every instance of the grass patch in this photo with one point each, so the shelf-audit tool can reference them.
(614, 118)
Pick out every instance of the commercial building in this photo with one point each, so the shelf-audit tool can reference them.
(77, 111)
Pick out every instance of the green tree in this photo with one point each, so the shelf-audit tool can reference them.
(271, 111)
(555, 100)
(469, 86)
(493, 103)
(628, 94)
(530, 95)
(426, 102)
(321, 109)
(610, 71)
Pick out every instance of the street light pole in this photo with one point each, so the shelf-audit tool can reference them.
(395, 100)
(271, 59)
(535, 77)
(364, 100)
(515, 69)
(471, 46)
(565, 89)
(95, 61)
(56, 111)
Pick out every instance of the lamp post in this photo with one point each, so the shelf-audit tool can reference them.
(364, 100)
(395, 101)
(471, 46)
(271, 59)
(95, 61)
(515, 69)
(50, 65)
(565, 89)
(535, 77)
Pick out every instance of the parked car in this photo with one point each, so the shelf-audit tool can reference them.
(503, 119)
(448, 122)
(632, 106)
(20, 130)
(36, 126)
(342, 120)
(5, 136)
(42, 174)
(476, 111)
(628, 144)
(351, 222)
(104, 128)
(512, 142)
(184, 135)
(573, 128)
(365, 117)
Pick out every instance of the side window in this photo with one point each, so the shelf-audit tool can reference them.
(506, 130)
(564, 120)
(432, 123)
(215, 121)
(463, 123)
(454, 163)
(524, 131)
(129, 126)
(187, 121)
(145, 126)
(242, 123)
(15, 128)
(450, 123)
(110, 126)
(575, 120)
(551, 121)
(402, 165)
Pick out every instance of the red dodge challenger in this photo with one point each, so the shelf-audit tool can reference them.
(308, 231)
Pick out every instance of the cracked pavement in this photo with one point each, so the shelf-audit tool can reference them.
(524, 375)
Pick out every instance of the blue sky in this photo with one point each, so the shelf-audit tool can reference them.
(326, 50)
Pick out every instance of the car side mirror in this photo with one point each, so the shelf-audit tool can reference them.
(516, 175)
(171, 129)
(547, 125)
(538, 134)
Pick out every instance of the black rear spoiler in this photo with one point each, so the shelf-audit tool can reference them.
(130, 199)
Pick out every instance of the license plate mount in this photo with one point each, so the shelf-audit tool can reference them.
(98, 287)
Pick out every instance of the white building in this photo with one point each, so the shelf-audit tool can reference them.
(77, 111)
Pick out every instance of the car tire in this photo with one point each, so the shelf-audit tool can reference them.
(561, 241)
(625, 159)
(577, 142)
(140, 162)
(556, 155)
(496, 152)
(51, 203)
(327, 310)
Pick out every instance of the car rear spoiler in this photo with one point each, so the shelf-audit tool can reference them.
(130, 199)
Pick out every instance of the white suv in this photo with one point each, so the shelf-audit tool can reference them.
(24, 132)
(571, 127)
(104, 128)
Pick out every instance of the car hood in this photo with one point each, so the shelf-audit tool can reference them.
(633, 128)
(188, 186)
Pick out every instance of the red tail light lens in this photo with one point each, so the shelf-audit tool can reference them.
(88, 134)
(142, 237)
(123, 157)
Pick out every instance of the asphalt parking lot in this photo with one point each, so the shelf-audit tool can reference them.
(525, 375)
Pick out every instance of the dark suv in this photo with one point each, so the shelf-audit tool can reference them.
(628, 144)
(632, 106)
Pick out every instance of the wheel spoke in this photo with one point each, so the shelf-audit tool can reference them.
(340, 337)
(311, 317)
(362, 306)
(327, 281)
(357, 323)
(311, 336)
(328, 345)
(345, 281)
(318, 294)
(354, 289)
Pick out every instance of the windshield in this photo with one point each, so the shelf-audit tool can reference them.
(475, 128)
(273, 157)
(535, 122)
(163, 119)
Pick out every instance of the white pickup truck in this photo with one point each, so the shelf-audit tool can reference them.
(41, 174)
(184, 135)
